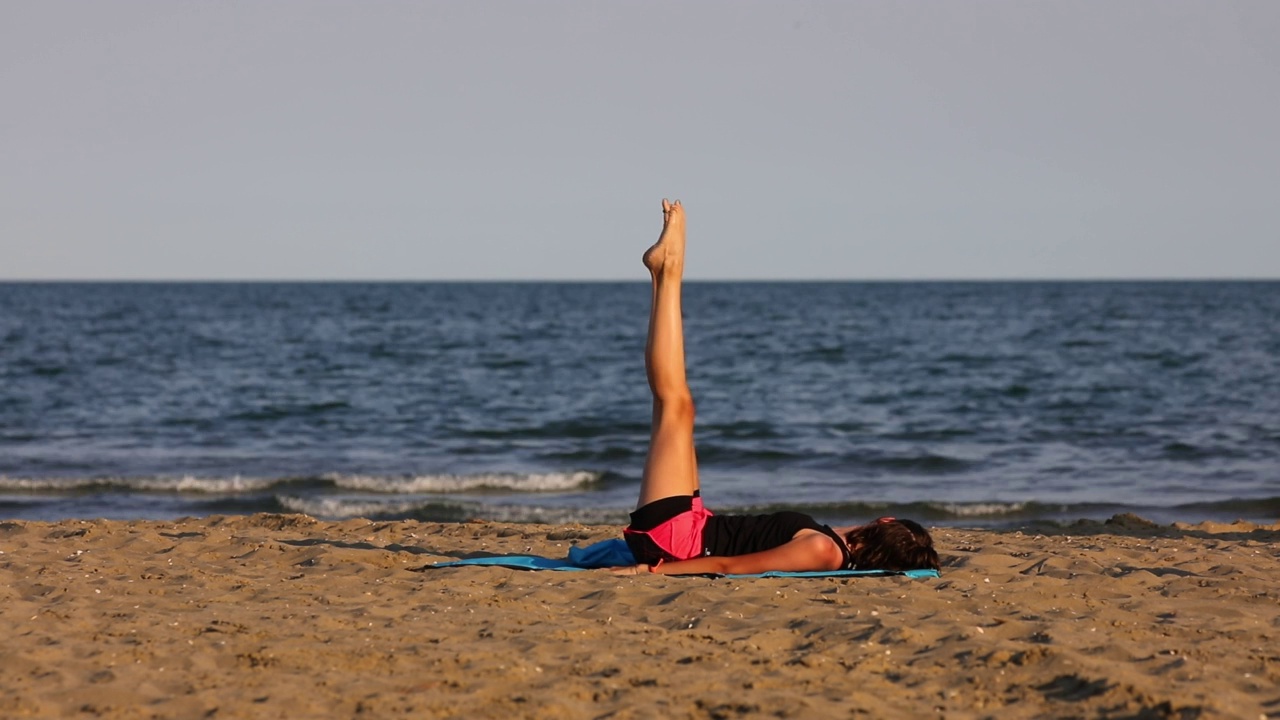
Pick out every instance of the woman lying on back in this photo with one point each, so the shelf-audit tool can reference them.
(671, 532)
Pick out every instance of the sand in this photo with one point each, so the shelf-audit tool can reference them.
(285, 616)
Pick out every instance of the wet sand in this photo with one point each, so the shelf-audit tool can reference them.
(284, 616)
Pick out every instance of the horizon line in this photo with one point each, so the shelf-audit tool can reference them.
(587, 281)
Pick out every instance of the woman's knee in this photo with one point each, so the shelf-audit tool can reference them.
(677, 407)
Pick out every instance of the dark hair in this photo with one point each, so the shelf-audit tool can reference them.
(892, 544)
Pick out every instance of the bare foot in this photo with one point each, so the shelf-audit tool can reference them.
(667, 255)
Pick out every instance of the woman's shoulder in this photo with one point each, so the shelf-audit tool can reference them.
(828, 550)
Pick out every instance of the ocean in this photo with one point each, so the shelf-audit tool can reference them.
(965, 403)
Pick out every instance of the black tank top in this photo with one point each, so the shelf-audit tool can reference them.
(728, 535)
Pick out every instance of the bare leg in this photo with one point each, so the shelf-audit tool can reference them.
(671, 468)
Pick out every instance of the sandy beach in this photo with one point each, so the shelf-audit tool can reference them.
(286, 616)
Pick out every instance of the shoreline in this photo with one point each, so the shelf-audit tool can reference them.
(287, 616)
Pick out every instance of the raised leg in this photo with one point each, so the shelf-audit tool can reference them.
(672, 467)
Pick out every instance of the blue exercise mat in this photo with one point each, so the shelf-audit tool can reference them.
(615, 553)
(604, 554)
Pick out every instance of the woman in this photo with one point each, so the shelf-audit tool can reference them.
(671, 532)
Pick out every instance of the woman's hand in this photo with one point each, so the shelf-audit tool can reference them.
(630, 570)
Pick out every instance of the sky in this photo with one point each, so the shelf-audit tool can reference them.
(305, 139)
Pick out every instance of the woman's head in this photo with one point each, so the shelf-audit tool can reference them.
(892, 544)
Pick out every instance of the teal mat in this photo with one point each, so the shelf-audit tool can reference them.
(614, 553)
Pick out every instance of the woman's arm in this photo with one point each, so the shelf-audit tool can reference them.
(807, 552)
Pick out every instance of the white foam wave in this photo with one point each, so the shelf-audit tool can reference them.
(980, 509)
(519, 482)
(552, 515)
(336, 507)
(181, 484)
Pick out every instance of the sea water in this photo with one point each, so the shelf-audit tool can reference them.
(956, 403)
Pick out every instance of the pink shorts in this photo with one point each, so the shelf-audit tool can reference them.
(669, 529)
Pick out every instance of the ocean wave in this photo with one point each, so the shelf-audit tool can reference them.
(554, 515)
(574, 428)
(236, 484)
(281, 412)
(437, 510)
(931, 511)
(926, 462)
(334, 507)
(330, 507)
(1233, 508)
(603, 455)
(987, 514)
(179, 484)
(1187, 452)
(981, 509)
(929, 434)
(741, 430)
(517, 482)
(739, 456)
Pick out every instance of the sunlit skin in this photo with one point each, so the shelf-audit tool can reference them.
(671, 467)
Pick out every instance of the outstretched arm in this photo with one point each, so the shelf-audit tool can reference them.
(811, 551)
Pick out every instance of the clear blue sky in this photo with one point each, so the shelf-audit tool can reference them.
(297, 139)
